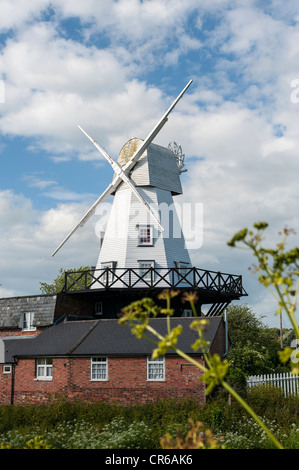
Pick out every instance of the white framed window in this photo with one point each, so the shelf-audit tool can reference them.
(182, 268)
(44, 368)
(145, 235)
(145, 271)
(27, 319)
(99, 368)
(98, 308)
(7, 369)
(156, 369)
(108, 275)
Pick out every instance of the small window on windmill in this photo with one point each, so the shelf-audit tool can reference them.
(98, 308)
(108, 271)
(145, 235)
(182, 269)
(145, 270)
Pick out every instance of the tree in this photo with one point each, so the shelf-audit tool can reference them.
(254, 347)
(243, 325)
(58, 283)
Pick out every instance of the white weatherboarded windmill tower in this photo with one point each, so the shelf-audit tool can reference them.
(135, 237)
(143, 246)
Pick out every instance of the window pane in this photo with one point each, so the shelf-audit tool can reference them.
(44, 368)
(144, 269)
(156, 369)
(28, 321)
(99, 368)
(145, 235)
(108, 275)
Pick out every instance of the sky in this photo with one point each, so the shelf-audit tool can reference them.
(114, 67)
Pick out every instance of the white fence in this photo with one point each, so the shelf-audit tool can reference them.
(288, 382)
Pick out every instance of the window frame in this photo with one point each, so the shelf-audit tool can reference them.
(149, 276)
(108, 276)
(45, 367)
(95, 360)
(151, 235)
(152, 363)
(182, 267)
(98, 308)
(7, 366)
(27, 323)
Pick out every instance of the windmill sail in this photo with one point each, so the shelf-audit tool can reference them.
(119, 171)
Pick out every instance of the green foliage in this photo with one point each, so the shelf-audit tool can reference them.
(247, 434)
(58, 284)
(243, 326)
(82, 435)
(38, 442)
(254, 347)
(100, 425)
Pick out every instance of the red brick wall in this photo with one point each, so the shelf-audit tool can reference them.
(5, 387)
(27, 389)
(126, 382)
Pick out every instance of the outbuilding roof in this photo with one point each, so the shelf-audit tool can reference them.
(103, 338)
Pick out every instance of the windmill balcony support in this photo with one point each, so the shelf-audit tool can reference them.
(154, 278)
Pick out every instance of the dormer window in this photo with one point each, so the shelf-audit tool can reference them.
(145, 235)
(26, 321)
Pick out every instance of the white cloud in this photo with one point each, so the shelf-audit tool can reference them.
(35, 181)
(14, 13)
(29, 238)
(237, 115)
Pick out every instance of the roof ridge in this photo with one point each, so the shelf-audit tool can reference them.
(83, 337)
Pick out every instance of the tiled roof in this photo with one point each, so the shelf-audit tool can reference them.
(11, 309)
(103, 337)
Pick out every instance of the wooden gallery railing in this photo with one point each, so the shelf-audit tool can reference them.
(150, 278)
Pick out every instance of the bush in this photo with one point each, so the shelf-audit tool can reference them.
(269, 401)
(82, 435)
(74, 424)
(247, 434)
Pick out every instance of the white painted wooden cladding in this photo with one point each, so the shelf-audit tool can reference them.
(120, 243)
(288, 382)
(157, 167)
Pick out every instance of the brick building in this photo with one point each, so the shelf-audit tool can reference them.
(101, 360)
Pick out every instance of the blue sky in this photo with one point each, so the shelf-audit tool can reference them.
(114, 67)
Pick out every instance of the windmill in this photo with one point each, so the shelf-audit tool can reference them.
(143, 246)
(122, 172)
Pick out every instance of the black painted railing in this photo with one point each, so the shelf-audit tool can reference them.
(151, 278)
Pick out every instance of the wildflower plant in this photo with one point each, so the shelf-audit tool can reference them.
(196, 438)
(278, 271)
(138, 315)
